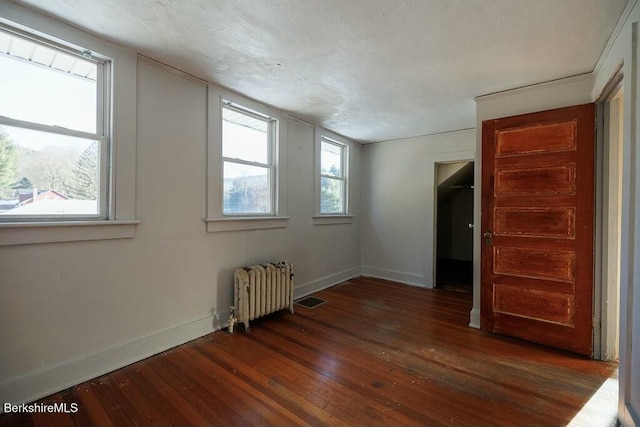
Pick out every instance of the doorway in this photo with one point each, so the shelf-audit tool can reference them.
(454, 226)
(608, 227)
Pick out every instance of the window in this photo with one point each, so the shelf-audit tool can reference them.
(67, 133)
(54, 137)
(333, 181)
(247, 157)
(247, 164)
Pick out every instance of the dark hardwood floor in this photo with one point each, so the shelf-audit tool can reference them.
(377, 353)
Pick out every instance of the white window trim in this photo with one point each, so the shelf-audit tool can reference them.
(215, 220)
(270, 164)
(25, 233)
(120, 222)
(332, 218)
(99, 135)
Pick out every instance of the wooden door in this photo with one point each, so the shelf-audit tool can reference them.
(538, 196)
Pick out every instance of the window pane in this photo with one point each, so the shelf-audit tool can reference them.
(47, 174)
(330, 159)
(244, 137)
(331, 195)
(44, 85)
(246, 189)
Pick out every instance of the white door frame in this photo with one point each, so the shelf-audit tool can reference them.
(606, 296)
(629, 379)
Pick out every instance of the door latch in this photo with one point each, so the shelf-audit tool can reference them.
(488, 238)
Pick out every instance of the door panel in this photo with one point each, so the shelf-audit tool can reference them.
(536, 181)
(537, 224)
(545, 306)
(551, 137)
(545, 264)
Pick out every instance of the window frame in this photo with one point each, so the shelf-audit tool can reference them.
(346, 216)
(342, 177)
(121, 124)
(270, 165)
(101, 136)
(216, 220)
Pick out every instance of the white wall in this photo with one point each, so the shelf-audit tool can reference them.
(72, 311)
(623, 50)
(398, 203)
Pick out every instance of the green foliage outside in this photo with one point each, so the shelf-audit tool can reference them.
(23, 184)
(331, 194)
(72, 174)
(84, 184)
(246, 195)
(8, 158)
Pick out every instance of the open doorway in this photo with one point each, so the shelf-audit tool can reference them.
(454, 226)
(610, 140)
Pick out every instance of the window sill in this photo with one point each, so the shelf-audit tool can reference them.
(332, 219)
(215, 225)
(28, 233)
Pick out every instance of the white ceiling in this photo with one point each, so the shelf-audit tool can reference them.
(371, 70)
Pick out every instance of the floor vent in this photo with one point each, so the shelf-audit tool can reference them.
(310, 302)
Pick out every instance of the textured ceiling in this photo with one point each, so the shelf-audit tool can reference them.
(371, 70)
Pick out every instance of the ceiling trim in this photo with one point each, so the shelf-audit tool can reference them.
(614, 35)
(172, 70)
(529, 88)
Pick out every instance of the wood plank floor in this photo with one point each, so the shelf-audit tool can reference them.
(377, 353)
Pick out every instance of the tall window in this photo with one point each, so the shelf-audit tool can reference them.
(248, 165)
(53, 130)
(333, 177)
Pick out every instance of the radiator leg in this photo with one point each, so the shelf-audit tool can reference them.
(246, 326)
(232, 319)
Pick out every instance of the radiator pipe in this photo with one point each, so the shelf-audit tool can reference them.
(232, 318)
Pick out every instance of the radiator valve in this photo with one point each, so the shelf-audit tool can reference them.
(232, 318)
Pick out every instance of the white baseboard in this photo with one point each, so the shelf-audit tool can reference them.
(474, 318)
(52, 380)
(325, 282)
(43, 383)
(396, 276)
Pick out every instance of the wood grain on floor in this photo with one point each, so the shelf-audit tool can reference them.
(377, 353)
